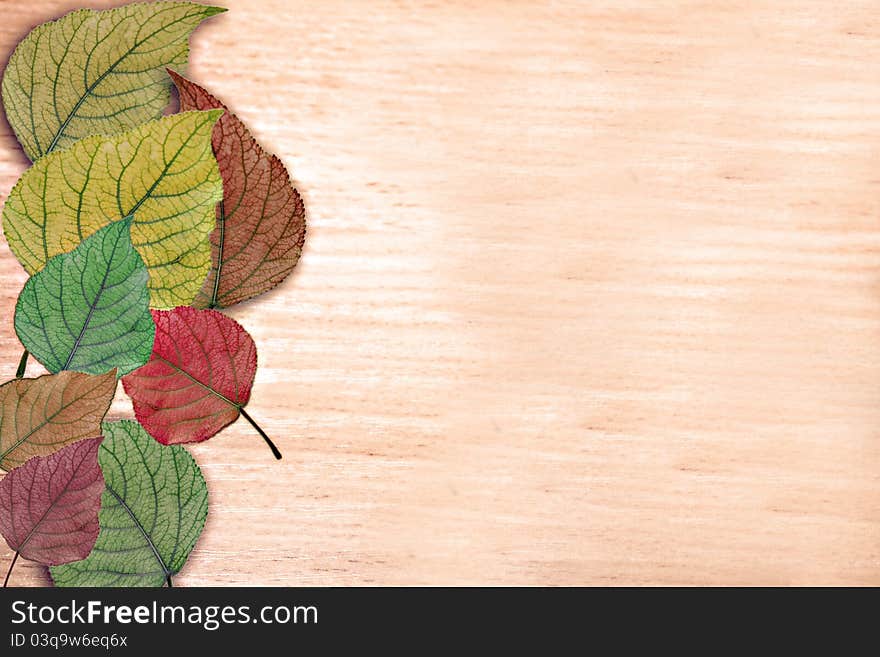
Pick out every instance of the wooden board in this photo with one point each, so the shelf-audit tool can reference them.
(591, 294)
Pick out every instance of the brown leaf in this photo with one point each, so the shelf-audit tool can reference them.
(40, 416)
(260, 222)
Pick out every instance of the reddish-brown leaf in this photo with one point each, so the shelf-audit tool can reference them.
(49, 506)
(198, 378)
(260, 222)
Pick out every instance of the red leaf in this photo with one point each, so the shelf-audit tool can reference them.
(49, 506)
(261, 223)
(198, 378)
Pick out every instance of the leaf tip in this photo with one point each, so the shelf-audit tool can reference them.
(213, 10)
(215, 114)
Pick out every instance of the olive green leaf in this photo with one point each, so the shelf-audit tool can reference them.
(152, 512)
(163, 172)
(96, 72)
(89, 310)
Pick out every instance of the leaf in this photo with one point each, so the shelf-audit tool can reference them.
(163, 172)
(152, 512)
(261, 224)
(96, 72)
(89, 310)
(199, 377)
(39, 416)
(49, 506)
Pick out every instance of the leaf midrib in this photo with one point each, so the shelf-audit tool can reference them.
(137, 523)
(99, 79)
(221, 224)
(195, 380)
(49, 508)
(92, 306)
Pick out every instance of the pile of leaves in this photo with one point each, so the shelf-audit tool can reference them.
(136, 228)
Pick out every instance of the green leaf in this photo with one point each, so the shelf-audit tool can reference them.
(96, 72)
(163, 172)
(152, 512)
(89, 310)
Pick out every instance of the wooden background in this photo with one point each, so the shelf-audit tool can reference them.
(591, 293)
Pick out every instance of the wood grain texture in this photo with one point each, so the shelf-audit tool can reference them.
(590, 294)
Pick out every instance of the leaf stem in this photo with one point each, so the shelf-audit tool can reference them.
(239, 407)
(256, 426)
(9, 572)
(22, 364)
(168, 581)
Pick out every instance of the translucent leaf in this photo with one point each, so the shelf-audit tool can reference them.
(49, 506)
(96, 72)
(89, 310)
(40, 416)
(199, 377)
(261, 223)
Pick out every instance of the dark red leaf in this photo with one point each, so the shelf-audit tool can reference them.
(49, 506)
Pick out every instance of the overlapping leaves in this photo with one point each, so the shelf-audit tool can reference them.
(198, 379)
(49, 506)
(40, 416)
(153, 510)
(261, 222)
(88, 310)
(121, 212)
(162, 172)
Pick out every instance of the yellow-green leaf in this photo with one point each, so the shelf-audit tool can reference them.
(96, 72)
(163, 172)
